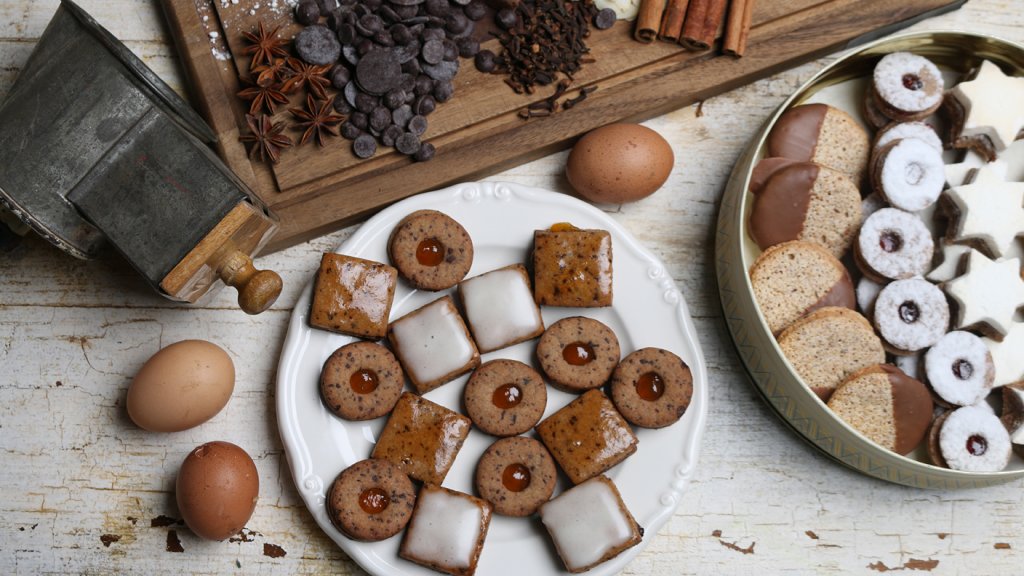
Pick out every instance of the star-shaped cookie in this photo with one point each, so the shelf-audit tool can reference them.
(950, 266)
(991, 103)
(989, 209)
(1008, 355)
(988, 293)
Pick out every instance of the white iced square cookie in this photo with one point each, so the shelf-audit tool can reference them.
(589, 524)
(500, 308)
(447, 530)
(433, 344)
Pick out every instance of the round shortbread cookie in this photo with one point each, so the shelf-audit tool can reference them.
(885, 405)
(652, 387)
(794, 278)
(371, 500)
(959, 368)
(911, 315)
(828, 345)
(361, 381)
(516, 475)
(974, 440)
(505, 397)
(578, 353)
(431, 250)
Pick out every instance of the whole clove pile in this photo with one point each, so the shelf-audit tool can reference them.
(542, 39)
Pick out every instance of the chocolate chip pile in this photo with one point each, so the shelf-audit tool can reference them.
(392, 60)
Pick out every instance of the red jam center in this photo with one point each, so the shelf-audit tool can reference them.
(890, 241)
(977, 445)
(962, 369)
(516, 477)
(363, 381)
(909, 312)
(912, 82)
(578, 353)
(430, 252)
(374, 500)
(507, 396)
(650, 386)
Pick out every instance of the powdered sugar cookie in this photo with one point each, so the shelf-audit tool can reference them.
(952, 259)
(1013, 415)
(906, 86)
(899, 130)
(984, 118)
(974, 440)
(893, 244)
(1007, 356)
(911, 315)
(988, 210)
(959, 368)
(908, 173)
(988, 294)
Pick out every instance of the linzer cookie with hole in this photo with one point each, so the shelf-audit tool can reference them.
(908, 173)
(959, 368)
(895, 245)
(827, 345)
(973, 439)
(353, 296)
(911, 315)
(652, 387)
(578, 353)
(794, 278)
(821, 134)
(505, 397)
(906, 86)
(884, 404)
(805, 201)
(572, 267)
(371, 500)
(516, 475)
(361, 381)
(431, 250)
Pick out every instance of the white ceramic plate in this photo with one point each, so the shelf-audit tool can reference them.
(501, 218)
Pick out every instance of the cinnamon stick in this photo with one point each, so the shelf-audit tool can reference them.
(648, 21)
(737, 28)
(703, 18)
(672, 23)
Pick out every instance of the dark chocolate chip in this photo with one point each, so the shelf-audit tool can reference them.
(438, 8)
(451, 50)
(359, 120)
(484, 61)
(327, 6)
(475, 10)
(380, 118)
(604, 19)
(394, 98)
(426, 152)
(369, 25)
(468, 47)
(366, 102)
(407, 143)
(417, 125)
(402, 115)
(506, 18)
(443, 91)
(401, 34)
(351, 92)
(388, 14)
(379, 71)
(341, 106)
(424, 105)
(317, 45)
(350, 131)
(307, 12)
(339, 76)
(432, 34)
(423, 85)
(446, 70)
(412, 66)
(350, 53)
(364, 146)
(390, 135)
(456, 22)
(363, 46)
(433, 51)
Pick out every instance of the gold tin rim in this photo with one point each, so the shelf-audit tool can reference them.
(764, 362)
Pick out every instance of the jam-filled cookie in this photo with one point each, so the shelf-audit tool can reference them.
(361, 381)
(371, 500)
(908, 173)
(505, 397)
(652, 387)
(893, 244)
(906, 86)
(828, 345)
(821, 134)
(959, 368)
(431, 250)
(974, 440)
(886, 405)
(516, 475)
(578, 353)
(794, 278)
(805, 201)
(911, 315)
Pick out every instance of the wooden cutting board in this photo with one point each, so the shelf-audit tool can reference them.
(316, 190)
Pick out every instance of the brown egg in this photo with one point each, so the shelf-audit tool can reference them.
(217, 488)
(619, 163)
(181, 386)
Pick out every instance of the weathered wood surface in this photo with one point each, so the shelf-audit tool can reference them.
(75, 472)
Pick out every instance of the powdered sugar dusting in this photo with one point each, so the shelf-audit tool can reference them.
(912, 174)
(889, 81)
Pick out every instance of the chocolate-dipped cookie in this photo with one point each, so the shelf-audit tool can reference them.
(884, 404)
(821, 134)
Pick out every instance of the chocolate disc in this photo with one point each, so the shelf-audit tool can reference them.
(379, 71)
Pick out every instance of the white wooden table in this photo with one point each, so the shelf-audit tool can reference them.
(80, 485)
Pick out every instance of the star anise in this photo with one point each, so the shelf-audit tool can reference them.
(300, 74)
(262, 96)
(266, 137)
(317, 120)
(273, 72)
(264, 46)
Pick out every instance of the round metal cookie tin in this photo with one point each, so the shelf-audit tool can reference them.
(841, 84)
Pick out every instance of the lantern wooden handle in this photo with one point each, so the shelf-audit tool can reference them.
(257, 289)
